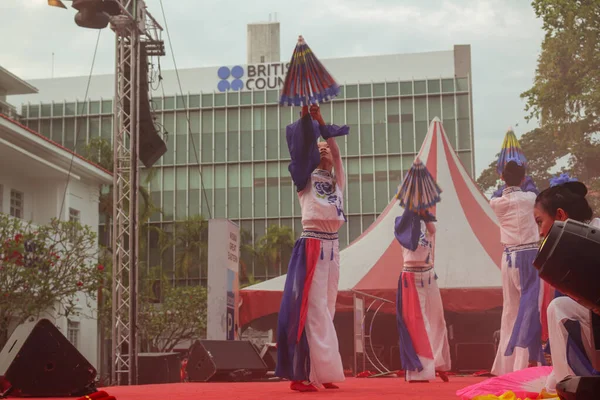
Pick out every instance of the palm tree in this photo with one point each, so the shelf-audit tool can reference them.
(190, 239)
(276, 246)
(247, 254)
(100, 152)
(249, 281)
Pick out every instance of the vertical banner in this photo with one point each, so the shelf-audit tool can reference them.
(223, 282)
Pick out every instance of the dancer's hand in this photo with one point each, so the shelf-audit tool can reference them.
(315, 113)
(304, 111)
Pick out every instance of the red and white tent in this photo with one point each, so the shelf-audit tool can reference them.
(467, 251)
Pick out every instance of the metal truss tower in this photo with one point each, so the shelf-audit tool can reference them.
(137, 35)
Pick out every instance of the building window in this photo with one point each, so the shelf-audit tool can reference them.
(16, 204)
(73, 332)
(75, 217)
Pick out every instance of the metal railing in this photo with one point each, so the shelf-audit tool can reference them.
(366, 318)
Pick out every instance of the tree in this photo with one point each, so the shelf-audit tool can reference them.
(190, 240)
(100, 152)
(566, 90)
(181, 316)
(565, 96)
(275, 246)
(249, 280)
(45, 268)
(541, 151)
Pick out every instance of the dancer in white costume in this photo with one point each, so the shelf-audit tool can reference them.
(422, 330)
(520, 331)
(569, 323)
(307, 344)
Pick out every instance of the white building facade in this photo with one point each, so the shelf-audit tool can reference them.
(226, 151)
(41, 180)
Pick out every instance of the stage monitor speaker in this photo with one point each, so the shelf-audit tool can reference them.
(158, 368)
(470, 357)
(224, 360)
(269, 355)
(39, 361)
(568, 260)
(579, 388)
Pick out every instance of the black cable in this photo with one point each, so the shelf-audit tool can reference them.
(85, 102)
(186, 110)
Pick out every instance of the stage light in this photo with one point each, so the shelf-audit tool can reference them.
(95, 14)
(56, 3)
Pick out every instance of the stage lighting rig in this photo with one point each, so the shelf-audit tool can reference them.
(135, 139)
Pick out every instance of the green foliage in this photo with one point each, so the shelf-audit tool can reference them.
(100, 152)
(566, 90)
(44, 268)
(542, 153)
(181, 316)
(190, 240)
(249, 280)
(565, 96)
(275, 248)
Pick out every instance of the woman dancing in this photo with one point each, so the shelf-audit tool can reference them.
(423, 337)
(521, 327)
(307, 344)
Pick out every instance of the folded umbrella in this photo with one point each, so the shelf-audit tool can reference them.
(307, 81)
(418, 191)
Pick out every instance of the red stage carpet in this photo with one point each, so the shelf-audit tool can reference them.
(353, 388)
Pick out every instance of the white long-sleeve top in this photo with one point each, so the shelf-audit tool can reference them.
(422, 256)
(515, 213)
(322, 202)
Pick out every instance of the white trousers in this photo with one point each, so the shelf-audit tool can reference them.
(432, 310)
(511, 294)
(325, 359)
(560, 310)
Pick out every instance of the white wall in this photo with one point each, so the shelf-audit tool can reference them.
(43, 200)
(349, 70)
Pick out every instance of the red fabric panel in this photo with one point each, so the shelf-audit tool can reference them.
(312, 248)
(413, 317)
(260, 303)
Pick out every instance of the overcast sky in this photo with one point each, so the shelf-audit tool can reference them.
(504, 35)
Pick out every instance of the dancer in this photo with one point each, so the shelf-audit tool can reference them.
(423, 338)
(521, 329)
(569, 323)
(307, 344)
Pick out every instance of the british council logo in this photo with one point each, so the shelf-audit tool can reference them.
(226, 83)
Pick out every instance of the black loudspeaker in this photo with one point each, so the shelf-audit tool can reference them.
(39, 361)
(159, 368)
(579, 388)
(568, 260)
(472, 357)
(269, 355)
(224, 360)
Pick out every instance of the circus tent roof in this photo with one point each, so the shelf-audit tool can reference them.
(467, 250)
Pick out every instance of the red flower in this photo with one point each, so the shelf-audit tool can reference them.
(100, 267)
(18, 237)
(79, 283)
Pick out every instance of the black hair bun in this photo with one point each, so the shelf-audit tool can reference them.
(577, 188)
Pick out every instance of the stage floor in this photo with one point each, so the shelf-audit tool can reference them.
(353, 388)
